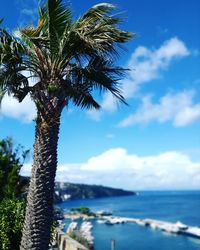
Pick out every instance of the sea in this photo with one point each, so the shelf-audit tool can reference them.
(171, 206)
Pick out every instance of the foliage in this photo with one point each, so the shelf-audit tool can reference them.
(83, 210)
(11, 222)
(12, 210)
(11, 161)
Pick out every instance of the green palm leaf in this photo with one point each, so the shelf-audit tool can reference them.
(98, 30)
(59, 19)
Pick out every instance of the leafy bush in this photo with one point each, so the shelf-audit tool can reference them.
(11, 222)
(11, 161)
(12, 209)
(83, 210)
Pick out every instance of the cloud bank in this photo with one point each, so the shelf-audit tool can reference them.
(117, 168)
(179, 108)
(24, 111)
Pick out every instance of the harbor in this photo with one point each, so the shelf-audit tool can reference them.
(129, 220)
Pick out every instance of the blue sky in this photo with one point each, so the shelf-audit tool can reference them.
(154, 143)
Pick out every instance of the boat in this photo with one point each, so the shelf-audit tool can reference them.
(108, 222)
(101, 221)
(180, 225)
(104, 213)
(72, 226)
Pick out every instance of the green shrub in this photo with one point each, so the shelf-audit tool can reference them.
(11, 222)
(12, 209)
(11, 161)
(83, 210)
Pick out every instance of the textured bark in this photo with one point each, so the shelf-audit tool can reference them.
(39, 212)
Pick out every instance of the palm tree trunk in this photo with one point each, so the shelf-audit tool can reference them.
(39, 211)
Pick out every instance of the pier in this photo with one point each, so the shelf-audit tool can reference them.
(169, 227)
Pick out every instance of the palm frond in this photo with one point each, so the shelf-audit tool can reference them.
(2, 93)
(98, 30)
(99, 74)
(41, 29)
(2, 87)
(35, 36)
(99, 10)
(85, 101)
(12, 81)
(59, 17)
(80, 95)
(32, 31)
(10, 49)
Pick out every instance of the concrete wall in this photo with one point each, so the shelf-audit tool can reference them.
(66, 243)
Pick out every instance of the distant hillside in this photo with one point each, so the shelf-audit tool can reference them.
(70, 191)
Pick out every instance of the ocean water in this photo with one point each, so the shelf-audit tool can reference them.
(170, 206)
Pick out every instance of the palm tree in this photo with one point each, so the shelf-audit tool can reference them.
(69, 60)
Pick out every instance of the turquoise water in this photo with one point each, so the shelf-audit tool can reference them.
(168, 206)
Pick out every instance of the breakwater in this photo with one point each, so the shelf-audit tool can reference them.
(169, 227)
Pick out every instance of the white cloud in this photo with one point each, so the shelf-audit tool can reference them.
(149, 63)
(117, 168)
(24, 111)
(146, 65)
(106, 161)
(26, 169)
(167, 170)
(109, 102)
(94, 114)
(178, 108)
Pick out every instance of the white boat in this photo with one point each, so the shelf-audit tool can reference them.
(104, 213)
(180, 225)
(114, 220)
(101, 221)
(72, 226)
